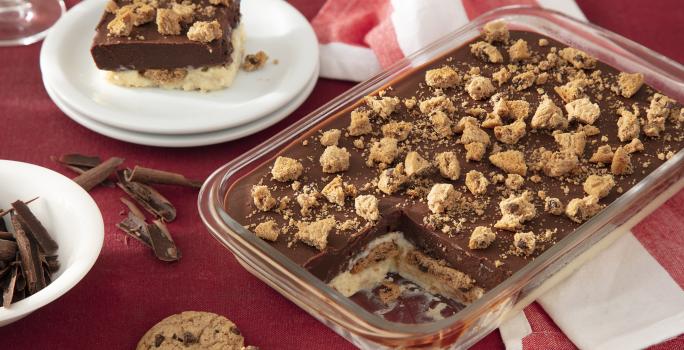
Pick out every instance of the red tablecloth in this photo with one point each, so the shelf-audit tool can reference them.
(128, 290)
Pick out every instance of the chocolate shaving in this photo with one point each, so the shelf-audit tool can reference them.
(52, 263)
(148, 175)
(8, 250)
(30, 260)
(96, 175)
(162, 243)
(8, 293)
(132, 208)
(79, 160)
(135, 227)
(80, 164)
(6, 235)
(34, 227)
(147, 197)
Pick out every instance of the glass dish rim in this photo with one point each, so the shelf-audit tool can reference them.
(498, 294)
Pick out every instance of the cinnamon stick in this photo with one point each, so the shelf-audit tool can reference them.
(30, 260)
(34, 227)
(96, 175)
(151, 200)
(161, 177)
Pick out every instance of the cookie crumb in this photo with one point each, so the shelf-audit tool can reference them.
(334, 159)
(262, 198)
(286, 169)
(442, 197)
(254, 61)
(366, 206)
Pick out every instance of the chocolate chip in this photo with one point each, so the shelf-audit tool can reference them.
(189, 338)
(235, 331)
(158, 340)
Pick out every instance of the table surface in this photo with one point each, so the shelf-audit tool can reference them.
(128, 290)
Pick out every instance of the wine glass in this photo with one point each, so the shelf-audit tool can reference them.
(23, 22)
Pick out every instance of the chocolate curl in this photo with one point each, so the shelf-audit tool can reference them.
(30, 259)
(151, 200)
(96, 175)
(35, 228)
(161, 177)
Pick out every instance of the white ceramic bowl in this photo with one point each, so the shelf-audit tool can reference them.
(71, 217)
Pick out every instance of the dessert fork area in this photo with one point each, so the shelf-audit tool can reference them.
(128, 290)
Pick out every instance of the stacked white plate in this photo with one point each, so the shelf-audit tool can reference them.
(171, 118)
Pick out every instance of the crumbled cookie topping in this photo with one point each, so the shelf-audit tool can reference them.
(599, 185)
(336, 191)
(366, 206)
(415, 164)
(516, 210)
(630, 83)
(582, 209)
(621, 163)
(334, 159)
(392, 179)
(261, 196)
(331, 137)
(524, 243)
(578, 58)
(360, 123)
(486, 52)
(548, 116)
(512, 162)
(383, 152)
(480, 88)
(519, 51)
(268, 230)
(168, 22)
(481, 238)
(628, 125)
(448, 165)
(476, 182)
(397, 130)
(553, 206)
(205, 32)
(315, 233)
(583, 110)
(441, 78)
(383, 106)
(286, 169)
(442, 197)
(495, 31)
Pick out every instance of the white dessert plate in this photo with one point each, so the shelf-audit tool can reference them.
(187, 140)
(273, 26)
(71, 217)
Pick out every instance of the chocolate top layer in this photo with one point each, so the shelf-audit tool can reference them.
(146, 48)
(446, 236)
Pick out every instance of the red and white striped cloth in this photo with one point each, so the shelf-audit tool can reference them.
(629, 296)
(360, 37)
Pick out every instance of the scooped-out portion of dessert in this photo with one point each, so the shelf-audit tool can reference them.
(172, 44)
(457, 174)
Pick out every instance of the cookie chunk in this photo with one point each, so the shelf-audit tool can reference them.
(486, 52)
(481, 238)
(366, 206)
(286, 169)
(315, 233)
(205, 32)
(476, 182)
(267, 230)
(442, 197)
(495, 31)
(480, 88)
(442, 78)
(629, 84)
(599, 186)
(448, 165)
(193, 330)
(334, 159)
(512, 162)
(583, 110)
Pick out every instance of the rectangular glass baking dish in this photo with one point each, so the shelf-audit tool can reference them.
(463, 329)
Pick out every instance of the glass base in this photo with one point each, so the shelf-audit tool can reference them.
(24, 22)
